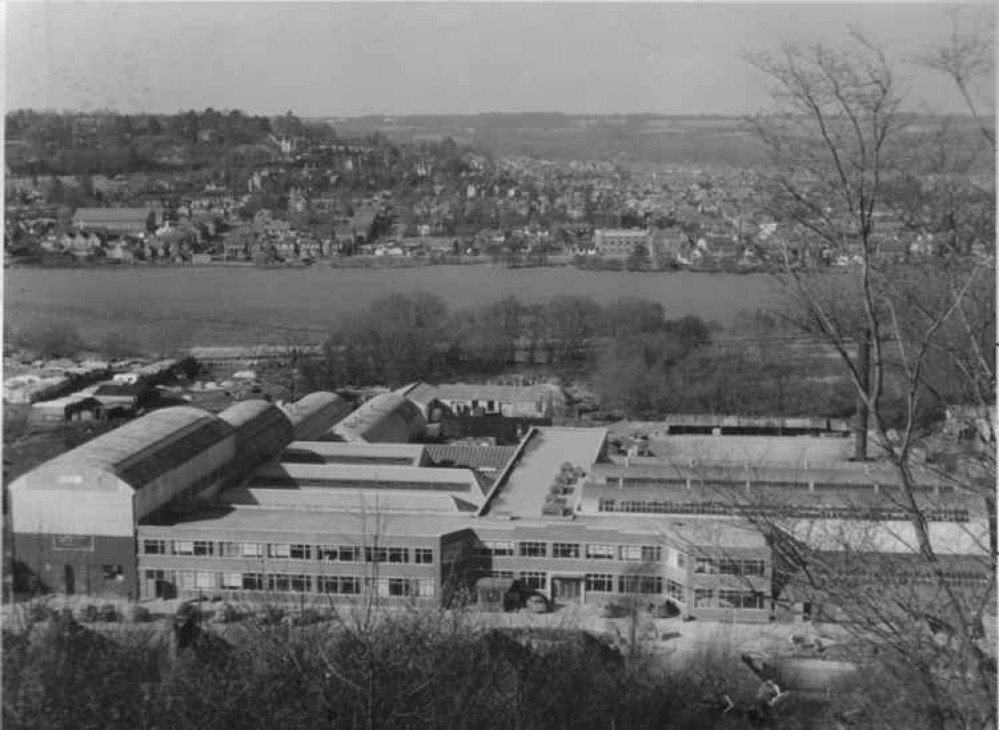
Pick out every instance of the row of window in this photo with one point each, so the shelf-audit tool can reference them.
(783, 510)
(966, 579)
(727, 598)
(605, 583)
(649, 585)
(573, 551)
(732, 485)
(298, 583)
(290, 551)
(712, 566)
(602, 582)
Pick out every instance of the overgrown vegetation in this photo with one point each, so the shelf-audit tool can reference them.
(409, 669)
(641, 363)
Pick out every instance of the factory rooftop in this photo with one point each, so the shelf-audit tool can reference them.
(521, 490)
(797, 451)
(338, 452)
(370, 477)
(314, 526)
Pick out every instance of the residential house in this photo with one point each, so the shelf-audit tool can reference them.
(618, 243)
(121, 252)
(277, 228)
(123, 396)
(536, 401)
(286, 248)
(115, 221)
(310, 248)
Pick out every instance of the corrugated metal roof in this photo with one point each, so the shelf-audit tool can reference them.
(470, 456)
(245, 412)
(145, 448)
(386, 417)
(316, 413)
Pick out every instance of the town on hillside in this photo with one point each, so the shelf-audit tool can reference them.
(205, 187)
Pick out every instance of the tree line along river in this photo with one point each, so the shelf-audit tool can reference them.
(230, 305)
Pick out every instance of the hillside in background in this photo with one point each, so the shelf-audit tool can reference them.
(703, 141)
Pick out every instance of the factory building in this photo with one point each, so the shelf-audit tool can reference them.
(386, 418)
(315, 414)
(74, 518)
(257, 502)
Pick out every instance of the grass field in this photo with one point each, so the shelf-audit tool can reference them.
(206, 306)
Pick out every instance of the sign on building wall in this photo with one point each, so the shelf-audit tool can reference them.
(73, 542)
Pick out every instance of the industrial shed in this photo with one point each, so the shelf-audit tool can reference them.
(262, 431)
(315, 414)
(74, 517)
(388, 417)
(63, 410)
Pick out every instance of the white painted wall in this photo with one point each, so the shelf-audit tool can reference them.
(91, 502)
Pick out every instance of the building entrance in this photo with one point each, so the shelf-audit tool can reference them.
(567, 590)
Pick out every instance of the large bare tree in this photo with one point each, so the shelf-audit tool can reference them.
(886, 250)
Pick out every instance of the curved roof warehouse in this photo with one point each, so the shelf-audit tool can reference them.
(79, 511)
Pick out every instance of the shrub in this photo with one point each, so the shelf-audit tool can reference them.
(37, 611)
(87, 613)
(138, 614)
(226, 613)
(272, 615)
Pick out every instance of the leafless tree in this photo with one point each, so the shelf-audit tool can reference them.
(907, 207)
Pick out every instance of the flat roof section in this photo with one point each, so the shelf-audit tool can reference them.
(799, 451)
(681, 533)
(369, 501)
(736, 495)
(332, 452)
(947, 538)
(370, 477)
(653, 469)
(308, 526)
(522, 493)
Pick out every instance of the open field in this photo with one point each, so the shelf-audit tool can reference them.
(207, 306)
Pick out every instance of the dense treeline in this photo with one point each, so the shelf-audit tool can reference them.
(110, 143)
(640, 363)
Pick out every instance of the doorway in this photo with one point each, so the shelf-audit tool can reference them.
(567, 590)
(69, 580)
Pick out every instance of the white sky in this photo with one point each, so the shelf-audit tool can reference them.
(344, 59)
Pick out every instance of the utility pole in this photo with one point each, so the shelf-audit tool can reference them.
(862, 416)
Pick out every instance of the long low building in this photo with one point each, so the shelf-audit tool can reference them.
(181, 503)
